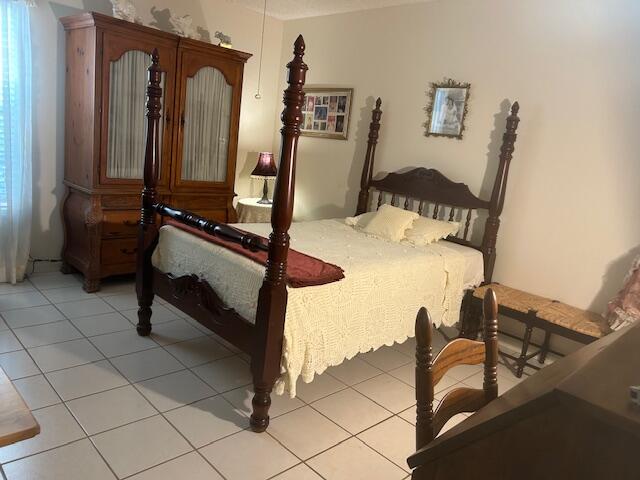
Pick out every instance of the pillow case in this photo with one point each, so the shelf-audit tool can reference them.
(390, 223)
(427, 230)
(360, 221)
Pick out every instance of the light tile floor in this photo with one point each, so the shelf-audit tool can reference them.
(113, 405)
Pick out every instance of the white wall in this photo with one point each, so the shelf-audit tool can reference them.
(570, 225)
(256, 131)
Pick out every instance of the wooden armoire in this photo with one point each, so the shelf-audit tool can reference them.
(105, 132)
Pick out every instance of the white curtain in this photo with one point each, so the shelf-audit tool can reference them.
(15, 140)
(127, 121)
(206, 128)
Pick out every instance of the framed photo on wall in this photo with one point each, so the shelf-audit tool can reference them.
(447, 109)
(326, 112)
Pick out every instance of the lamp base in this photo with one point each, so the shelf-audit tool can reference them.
(265, 191)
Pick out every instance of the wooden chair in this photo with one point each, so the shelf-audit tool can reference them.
(460, 351)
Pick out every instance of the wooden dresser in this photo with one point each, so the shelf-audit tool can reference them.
(105, 133)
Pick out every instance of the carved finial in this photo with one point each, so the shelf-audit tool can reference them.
(423, 328)
(515, 108)
(155, 57)
(490, 306)
(299, 46)
(378, 103)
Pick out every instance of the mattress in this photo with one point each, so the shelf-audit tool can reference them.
(375, 304)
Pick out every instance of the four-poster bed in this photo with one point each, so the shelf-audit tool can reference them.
(263, 338)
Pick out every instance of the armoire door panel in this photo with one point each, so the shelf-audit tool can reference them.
(125, 62)
(208, 108)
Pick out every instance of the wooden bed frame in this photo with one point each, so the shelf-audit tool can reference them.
(263, 340)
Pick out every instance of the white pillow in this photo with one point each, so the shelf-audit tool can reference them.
(390, 223)
(427, 230)
(360, 221)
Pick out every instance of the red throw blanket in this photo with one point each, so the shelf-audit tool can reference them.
(302, 270)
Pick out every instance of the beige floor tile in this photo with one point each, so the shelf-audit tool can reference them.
(174, 390)
(101, 324)
(67, 294)
(280, 404)
(146, 364)
(122, 301)
(26, 317)
(39, 335)
(174, 331)
(353, 371)
(225, 374)
(18, 364)
(113, 408)
(306, 432)
(122, 343)
(57, 427)
(140, 445)
(410, 414)
(249, 456)
(351, 410)
(3, 325)
(86, 380)
(188, 467)
(464, 371)
(207, 420)
(45, 281)
(65, 355)
(9, 342)
(389, 392)
(353, 460)
(198, 351)
(453, 421)
(408, 347)
(22, 300)
(321, 386)
(61, 464)
(160, 314)
(115, 286)
(84, 308)
(386, 358)
(393, 438)
(8, 288)
(299, 472)
(36, 392)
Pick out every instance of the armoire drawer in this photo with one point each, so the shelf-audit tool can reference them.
(121, 250)
(120, 223)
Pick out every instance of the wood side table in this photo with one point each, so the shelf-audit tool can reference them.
(250, 211)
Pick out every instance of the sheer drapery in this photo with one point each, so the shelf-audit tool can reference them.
(206, 130)
(127, 121)
(15, 140)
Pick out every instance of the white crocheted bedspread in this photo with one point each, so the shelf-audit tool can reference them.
(375, 304)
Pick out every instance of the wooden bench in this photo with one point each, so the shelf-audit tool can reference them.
(537, 312)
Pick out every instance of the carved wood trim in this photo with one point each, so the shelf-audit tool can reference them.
(369, 159)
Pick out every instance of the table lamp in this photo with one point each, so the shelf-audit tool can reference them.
(265, 169)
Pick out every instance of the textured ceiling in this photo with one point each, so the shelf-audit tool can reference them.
(291, 9)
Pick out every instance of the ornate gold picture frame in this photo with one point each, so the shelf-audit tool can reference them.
(447, 109)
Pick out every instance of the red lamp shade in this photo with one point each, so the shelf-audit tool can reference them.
(266, 166)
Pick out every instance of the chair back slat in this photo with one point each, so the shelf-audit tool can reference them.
(458, 400)
(460, 351)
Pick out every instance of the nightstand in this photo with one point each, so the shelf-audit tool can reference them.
(250, 211)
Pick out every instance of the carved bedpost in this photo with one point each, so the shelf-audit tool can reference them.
(367, 168)
(148, 231)
(272, 299)
(424, 379)
(499, 190)
(490, 312)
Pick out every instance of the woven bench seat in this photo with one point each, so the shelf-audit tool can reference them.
(544, 313)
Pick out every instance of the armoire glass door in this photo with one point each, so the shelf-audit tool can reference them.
(206, 126)
(125, 78)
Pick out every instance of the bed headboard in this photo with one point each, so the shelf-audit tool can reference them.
(435, 195)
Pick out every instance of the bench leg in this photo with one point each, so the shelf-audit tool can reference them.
(522, 361)
(471, 315)
(545, 348)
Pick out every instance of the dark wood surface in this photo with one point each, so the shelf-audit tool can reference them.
(572, 420)
(460, 351)
(433, 194)
(16, 421)
(100, 213)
